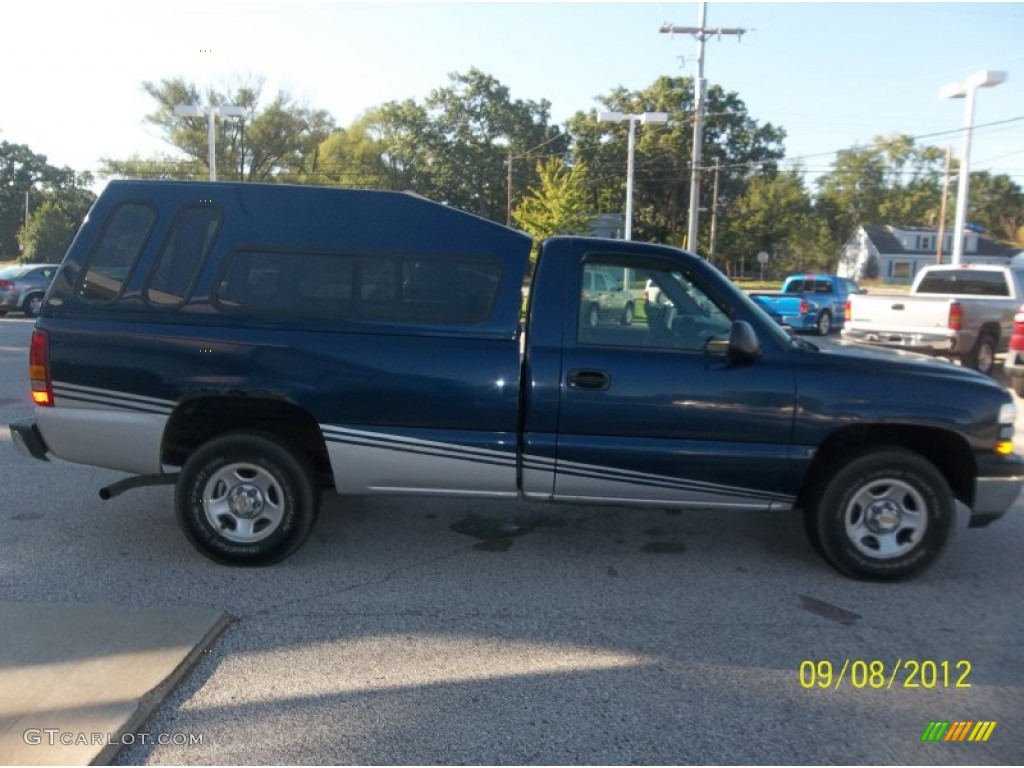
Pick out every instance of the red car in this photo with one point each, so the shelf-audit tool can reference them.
(1014, 365)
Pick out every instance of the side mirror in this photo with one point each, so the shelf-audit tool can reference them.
(743, 342)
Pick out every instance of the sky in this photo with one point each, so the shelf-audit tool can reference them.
(832, 75)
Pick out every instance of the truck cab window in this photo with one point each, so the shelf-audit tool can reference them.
(624, 306)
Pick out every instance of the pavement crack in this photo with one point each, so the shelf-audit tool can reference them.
(383, 579)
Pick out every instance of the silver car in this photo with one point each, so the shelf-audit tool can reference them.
(22, 287)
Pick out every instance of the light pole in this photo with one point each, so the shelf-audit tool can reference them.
(212, 112)
(643, 117)
(966, 90)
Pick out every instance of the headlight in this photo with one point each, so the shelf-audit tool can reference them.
(1007, 417)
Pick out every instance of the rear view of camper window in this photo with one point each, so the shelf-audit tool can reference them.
(183, 251)
(118, 248)
(389, 289)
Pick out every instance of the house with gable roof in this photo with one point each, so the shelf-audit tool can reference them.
(896, 254)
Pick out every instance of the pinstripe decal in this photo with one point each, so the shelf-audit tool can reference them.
(413, 445)
(465, 456)
(76, 396)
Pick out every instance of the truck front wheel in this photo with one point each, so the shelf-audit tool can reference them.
(246, 499)
(983, 356)
(884, 514)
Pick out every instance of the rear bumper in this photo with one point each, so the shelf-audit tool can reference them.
(915, 342)
(999, 483)
(28, 440)
(9, 300)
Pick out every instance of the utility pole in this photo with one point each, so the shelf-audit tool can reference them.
(942, 208)
(700, 34)
(714, 216)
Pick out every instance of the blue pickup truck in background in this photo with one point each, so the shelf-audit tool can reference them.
(813, 303)
(255, 345)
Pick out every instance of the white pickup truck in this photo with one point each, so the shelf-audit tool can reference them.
(961, 311)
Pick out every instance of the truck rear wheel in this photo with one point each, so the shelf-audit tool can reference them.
(246, 499)
(824, 325)
(884, 514)
(982, 357)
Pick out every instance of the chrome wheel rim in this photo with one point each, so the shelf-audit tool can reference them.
(886, 519)
(243, 502)
(986, 358)
(35, 304)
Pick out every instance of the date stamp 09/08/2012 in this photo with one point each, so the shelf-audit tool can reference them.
(875, 674)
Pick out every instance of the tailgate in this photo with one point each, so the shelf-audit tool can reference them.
(905, 313)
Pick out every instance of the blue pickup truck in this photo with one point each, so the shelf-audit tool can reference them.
(254, 345)
(813, 303)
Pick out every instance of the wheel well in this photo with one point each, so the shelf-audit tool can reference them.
(992, 329)
(200, 419)
(948, 452)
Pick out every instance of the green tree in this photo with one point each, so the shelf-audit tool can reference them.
(776, 215)
(559, 205)
(382, 149)
(280, 141)
(996, 203)
(49, 232)
(733, 140)
(27, 173)
(893, 181)
(474, 128)
(455, 147)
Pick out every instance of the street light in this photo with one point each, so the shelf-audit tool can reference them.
(644, 117)
(211, 111)
(966, 90)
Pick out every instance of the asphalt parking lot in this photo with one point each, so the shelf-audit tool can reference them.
(443, 632)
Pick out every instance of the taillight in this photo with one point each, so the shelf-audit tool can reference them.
(848, 311)
(956, 316)
(1017, 339)
(39, 368)
(6, 285)
(804, 307)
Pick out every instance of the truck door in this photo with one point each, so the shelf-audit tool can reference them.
(648, 414)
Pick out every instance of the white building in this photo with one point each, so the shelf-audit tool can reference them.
(895, 254)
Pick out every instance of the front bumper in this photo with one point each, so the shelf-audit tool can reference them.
(1014, 365)
(28, 440)
(999, 483)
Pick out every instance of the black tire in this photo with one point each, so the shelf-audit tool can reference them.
(32, 304)
(246, 499)
(982, 357)
(824, 324)
(627, 315)
(884, 514)
(1018, 385)
(593, 316)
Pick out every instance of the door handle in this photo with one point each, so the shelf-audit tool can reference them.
(589, 379)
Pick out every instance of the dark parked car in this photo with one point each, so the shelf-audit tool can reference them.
(22, 287)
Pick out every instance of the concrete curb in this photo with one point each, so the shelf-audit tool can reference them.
(78, 681)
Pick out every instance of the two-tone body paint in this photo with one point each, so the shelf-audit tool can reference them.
(473, 410)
